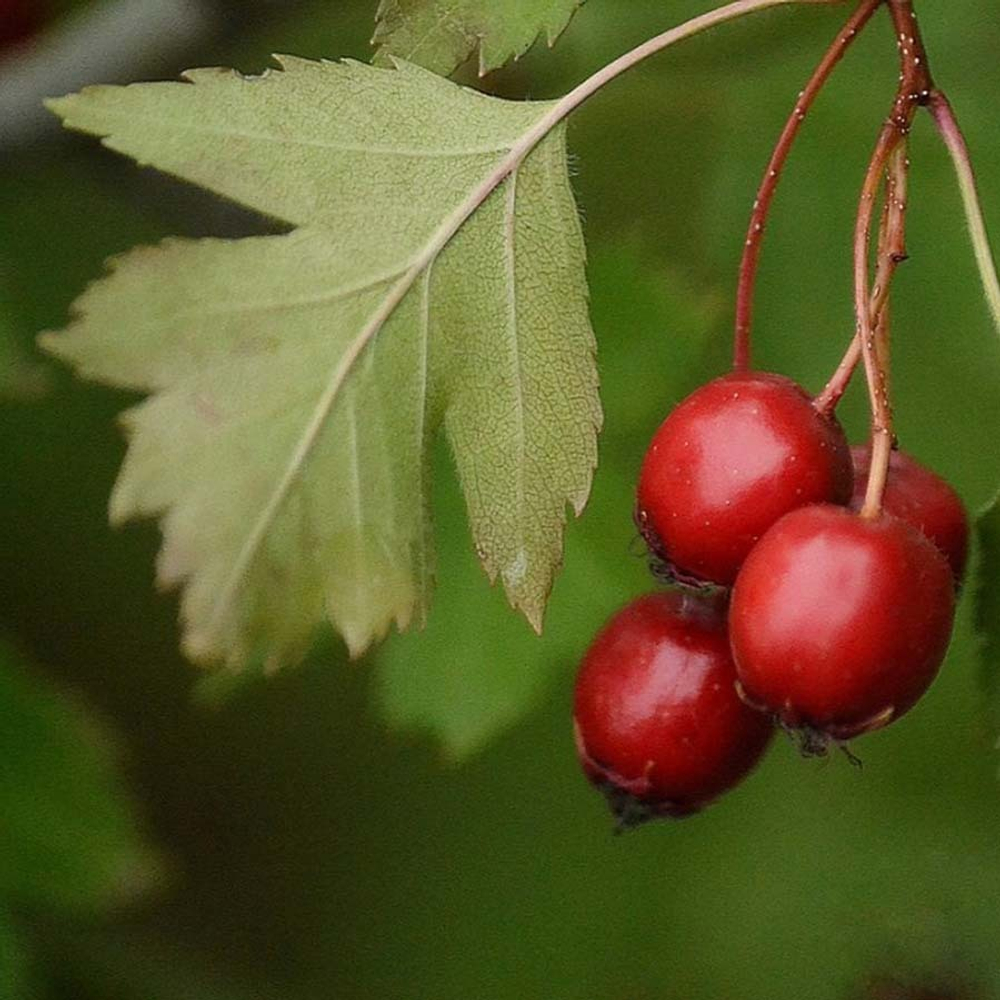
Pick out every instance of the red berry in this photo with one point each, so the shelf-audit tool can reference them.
(922, 498)
(19, 20)
(659, 725)
(839, 623)
(731, 459)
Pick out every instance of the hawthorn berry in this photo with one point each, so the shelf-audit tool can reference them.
(839, 623)
(731, 459)
(922, 498)
(659, 726)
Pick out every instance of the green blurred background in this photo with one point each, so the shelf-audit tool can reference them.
(414, 825)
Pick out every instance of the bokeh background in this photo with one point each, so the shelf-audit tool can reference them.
(414, 825)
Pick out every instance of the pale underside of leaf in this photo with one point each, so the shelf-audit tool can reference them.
(297, 380)
(440, 35)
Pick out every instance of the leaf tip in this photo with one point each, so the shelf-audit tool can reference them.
(199, 648)
(286, 63)
(118, 510)
(357, 640)
(68, 105)
(194, 651)
(578, 503)
(59, 106)
(50, 342)
(530, 604)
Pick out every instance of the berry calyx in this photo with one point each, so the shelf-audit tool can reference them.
(659, 726)
(730, 460)
(839, 623)
(923, 499)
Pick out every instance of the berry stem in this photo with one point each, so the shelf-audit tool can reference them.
(875, 370)
(915, 86)
(892, 233)
(891, 250)
(769, 182)
(947, 126)
(891, 253)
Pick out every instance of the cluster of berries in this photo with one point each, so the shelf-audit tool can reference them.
(790, 605)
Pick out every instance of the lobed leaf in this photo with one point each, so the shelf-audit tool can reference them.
(296, 381)
(441, 34)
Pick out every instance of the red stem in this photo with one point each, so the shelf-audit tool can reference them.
(769, 183)
(914, 89)
(891, 253)
(875, 369)
(891, 249)
(950, 132)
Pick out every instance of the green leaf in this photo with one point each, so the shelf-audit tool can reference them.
(441, 34)
(67, 835)
(297, 380)
(466, 683)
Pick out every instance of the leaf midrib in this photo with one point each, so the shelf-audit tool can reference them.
(439, 239)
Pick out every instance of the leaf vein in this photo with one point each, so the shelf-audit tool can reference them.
(438, 240)
(513, 330)
(425, 306)
(367, 149)
(446, 15)
(286, 305)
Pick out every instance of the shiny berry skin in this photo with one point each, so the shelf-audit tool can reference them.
(922, 498)
(731, 459)
(659, 725)
(839, 623)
